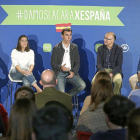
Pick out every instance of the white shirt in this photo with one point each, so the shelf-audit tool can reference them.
(66, 57)
(23, 59)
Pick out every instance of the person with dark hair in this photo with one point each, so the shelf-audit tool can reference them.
(23, 63)
(52, 123)
(116, 111)
(65, 63)
(49, 93)
(24, 92)
(93, 119)
(100, 75)
(20, 120)
(110, 59)
(133, 129)
(4, 120)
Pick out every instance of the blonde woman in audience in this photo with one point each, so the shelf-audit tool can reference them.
(100, 75)
(93, 119)
(20, 121)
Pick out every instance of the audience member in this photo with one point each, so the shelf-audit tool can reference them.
(4, 117)
(93, 119)
(134, 96)
(134, 125)
(116, 111)
(53, 122)
(20, 121)
(49, 93)
(100, 75)
(25, 92)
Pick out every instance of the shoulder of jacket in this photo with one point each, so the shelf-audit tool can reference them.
(58, 45)
(74, 45)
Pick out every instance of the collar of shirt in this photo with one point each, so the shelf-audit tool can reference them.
(110, 49)
(66, 48)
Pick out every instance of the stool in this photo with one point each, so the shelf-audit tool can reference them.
(10, 83)
(75, 105)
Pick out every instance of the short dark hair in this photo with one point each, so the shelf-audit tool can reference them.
(66, 29)
(114, 36)
(134, 125)
(52, 123)
(25, 92)
(117, 109)
(18, 48)
(64, 107)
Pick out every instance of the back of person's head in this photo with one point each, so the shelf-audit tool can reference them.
(52, 122)
(102, 75)
(100, 91)
(56, 103)
(117, 109)
(25, 92)
(134, 125)
(20, 120)
(48, 77)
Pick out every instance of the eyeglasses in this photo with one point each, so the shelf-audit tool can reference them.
(107, 38)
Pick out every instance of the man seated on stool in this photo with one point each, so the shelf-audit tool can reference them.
(110, 58)
(135, 79)
(49, 93)
(65, 63)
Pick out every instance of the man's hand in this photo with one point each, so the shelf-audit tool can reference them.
(71, 74)
(63, 68)
(111, 75)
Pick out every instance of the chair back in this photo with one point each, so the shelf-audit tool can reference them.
(83, 135)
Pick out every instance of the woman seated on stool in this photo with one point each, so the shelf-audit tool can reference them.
(100, 75)
(23, 63)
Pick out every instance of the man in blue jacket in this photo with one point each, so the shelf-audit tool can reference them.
(109, 59)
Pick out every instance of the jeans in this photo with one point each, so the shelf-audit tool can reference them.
(76, 81)
(27, 80)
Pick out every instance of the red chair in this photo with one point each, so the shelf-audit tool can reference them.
(83, 135)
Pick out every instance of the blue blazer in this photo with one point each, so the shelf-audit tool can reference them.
(116, 58)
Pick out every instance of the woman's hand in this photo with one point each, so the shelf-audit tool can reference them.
(28, 72)
(23, 72)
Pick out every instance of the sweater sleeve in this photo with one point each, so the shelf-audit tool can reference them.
(14, 58)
